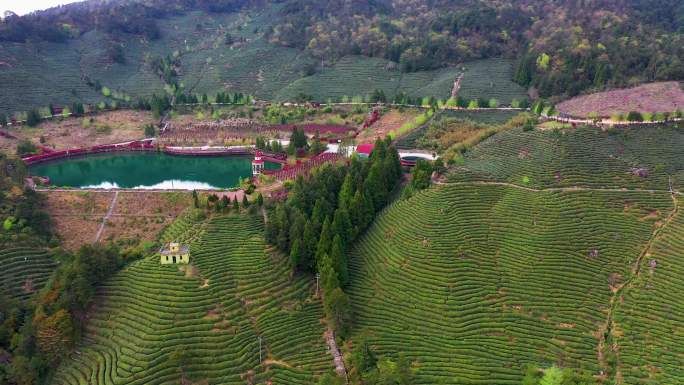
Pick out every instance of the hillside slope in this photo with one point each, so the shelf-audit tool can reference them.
(155, 324)
(647, 158)
(214, 52)
(648, 319)
(279, 49)
(25, 271)
(473, 281)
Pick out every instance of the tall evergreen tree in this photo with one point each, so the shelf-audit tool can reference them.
(321, 210)
(375, 185)
(394, 163)
(341, 225)
(296, 253)
(297, 221)
(309, 246)
(338, 308)
(346, 192)
(329, 280)
(339, 260)
(282, 219)
(323, 246)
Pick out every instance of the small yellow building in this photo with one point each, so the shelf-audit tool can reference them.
(174, 253)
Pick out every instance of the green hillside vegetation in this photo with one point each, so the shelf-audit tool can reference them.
(619, 158)
(214, 52)
(647, 321)
(488, 79)
(260, 47)
(449, 127)
(358, 75)
(25, 271)
(473, 282)
(157, 324)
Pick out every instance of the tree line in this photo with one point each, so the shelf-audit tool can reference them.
(325, 213)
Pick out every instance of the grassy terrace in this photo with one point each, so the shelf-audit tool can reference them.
(215, 313)
(473, 282)
(25, 270)
(581, 157)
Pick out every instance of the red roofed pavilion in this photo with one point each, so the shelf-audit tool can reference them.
(257, 163)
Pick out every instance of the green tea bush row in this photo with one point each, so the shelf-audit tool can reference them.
(157, 324)
(474, 282)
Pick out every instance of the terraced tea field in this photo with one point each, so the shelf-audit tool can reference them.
(358, 75)
(25, 271)
(472, 282)
(491, 78)
(154, 324)
(624, 158)
(649, 316)
(34, 76)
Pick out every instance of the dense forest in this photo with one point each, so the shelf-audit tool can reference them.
(562, 47)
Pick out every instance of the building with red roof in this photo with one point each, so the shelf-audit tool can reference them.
(364, 150)
(257, 163)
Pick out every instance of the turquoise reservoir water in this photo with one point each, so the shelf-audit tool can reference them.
(142, 170)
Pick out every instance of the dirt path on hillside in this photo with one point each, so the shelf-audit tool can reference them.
(106, 217)
(335, 351)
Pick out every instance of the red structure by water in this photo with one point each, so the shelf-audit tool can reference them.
(291, 172)
(138, 145)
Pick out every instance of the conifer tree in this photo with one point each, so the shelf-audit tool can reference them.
(375, 185)
(339, 260)
(297, 221)
(324, 240)
(309, 246)
(329, 280)
(346, 192)
(338, 308)
(296, 253)
(341, 224)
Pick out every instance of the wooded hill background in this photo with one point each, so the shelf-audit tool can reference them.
(561, 48)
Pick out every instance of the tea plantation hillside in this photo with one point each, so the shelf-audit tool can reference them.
(620, 158)
(490, 77)
(157, 324)
(472, 282)
(489, 117)
(216, 52)
(358, 75)
(648, 319)
(25, 271)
